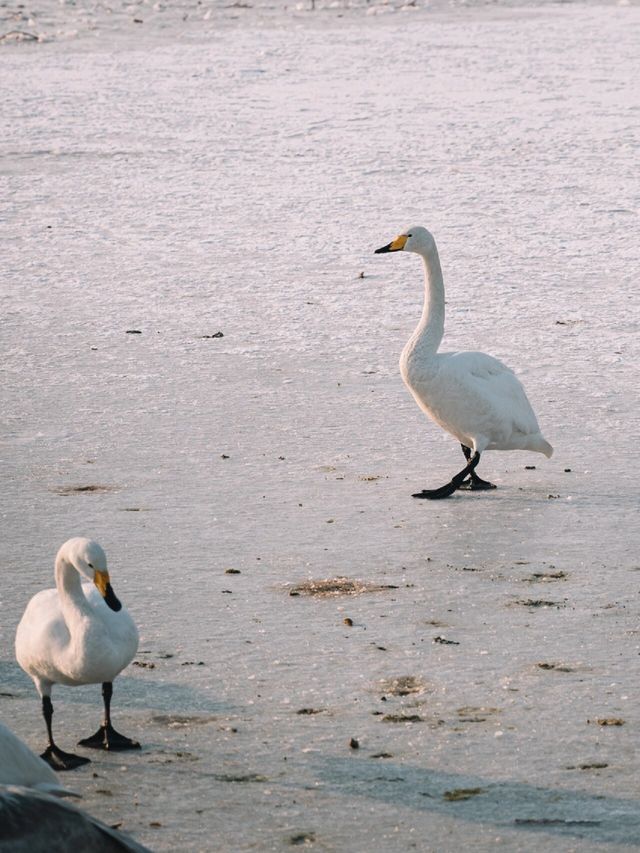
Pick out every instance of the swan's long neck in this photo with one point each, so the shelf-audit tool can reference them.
(73, 602)
(429, 331)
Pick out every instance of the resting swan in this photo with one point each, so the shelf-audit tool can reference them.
(77, 634)
(471, 395)
(34, 822)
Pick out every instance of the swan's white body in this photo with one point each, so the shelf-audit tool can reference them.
(20, 766)
(69, 635)
(471, 395)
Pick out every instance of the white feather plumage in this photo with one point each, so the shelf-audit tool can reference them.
(471, 395)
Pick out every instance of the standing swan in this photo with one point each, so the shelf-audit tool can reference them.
(469, 394)
(77, 634)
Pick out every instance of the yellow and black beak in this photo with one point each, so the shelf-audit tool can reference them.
(394, 246)
(101, 580)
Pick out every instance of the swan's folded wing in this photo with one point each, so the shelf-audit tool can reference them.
(488, 379)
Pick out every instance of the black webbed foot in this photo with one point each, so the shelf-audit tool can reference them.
(465, 479)
(59, 760)
(436, 494)
(109, 739)
(477, 484)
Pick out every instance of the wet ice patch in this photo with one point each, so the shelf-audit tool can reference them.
(330, 587)
(90, 488)
(402, 685)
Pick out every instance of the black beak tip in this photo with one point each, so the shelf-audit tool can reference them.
(111, 599)
(382, 250)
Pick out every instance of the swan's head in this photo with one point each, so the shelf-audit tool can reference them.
(88, 558)
(415, 239)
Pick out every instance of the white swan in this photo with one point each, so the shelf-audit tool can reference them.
(20, 766)
(34, 822)
(471, 395)
(77, 634)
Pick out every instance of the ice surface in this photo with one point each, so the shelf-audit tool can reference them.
(235, 176)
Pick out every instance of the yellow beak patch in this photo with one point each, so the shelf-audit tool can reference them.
(101, 580)
(398, 243)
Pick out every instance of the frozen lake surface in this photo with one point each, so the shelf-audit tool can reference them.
(235, 175)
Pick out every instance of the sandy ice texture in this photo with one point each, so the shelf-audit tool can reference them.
(237, 180)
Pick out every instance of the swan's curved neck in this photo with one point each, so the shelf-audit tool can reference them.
(73, 601)
(430, 329)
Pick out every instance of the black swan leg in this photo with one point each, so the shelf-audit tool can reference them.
(475, 483)
(456, 482)
(107, 737)
(55, 757)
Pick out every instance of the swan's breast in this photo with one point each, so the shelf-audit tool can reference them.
(100, 651)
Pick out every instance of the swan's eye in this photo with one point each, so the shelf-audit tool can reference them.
(409, 235)
(90, 565)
